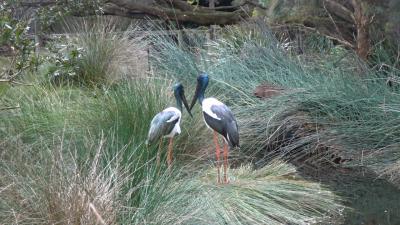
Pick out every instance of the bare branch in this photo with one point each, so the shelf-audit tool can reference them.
(200, 17)
(38, 3)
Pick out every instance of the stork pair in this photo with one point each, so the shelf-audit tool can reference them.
(217, 116)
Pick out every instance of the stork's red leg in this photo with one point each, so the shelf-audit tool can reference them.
(169, 156)
(217, 152)
(225, 162)
(159, 152)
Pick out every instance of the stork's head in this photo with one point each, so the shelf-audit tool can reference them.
(203, 79)
(179, 93)
(202, 82)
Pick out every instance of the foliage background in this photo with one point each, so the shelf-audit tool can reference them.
(323, 149)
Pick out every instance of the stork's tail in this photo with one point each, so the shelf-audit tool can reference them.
(233, 135)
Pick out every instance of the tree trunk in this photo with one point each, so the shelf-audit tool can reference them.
(362, 22)
(211, 5)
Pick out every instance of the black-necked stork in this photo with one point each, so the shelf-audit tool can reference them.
(166, 124)
(219, 118)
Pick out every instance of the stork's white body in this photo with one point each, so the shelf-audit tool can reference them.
(218, 117)
(206, 106)
(177, 129)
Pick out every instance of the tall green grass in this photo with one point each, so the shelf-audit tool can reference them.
(70, 148)
(53, 139)
(327, 107)
(77, 155)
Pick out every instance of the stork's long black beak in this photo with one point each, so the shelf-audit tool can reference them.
(196, 95)
(185, 103)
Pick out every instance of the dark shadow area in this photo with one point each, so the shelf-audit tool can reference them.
(371, 200)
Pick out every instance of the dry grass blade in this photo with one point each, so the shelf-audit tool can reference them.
(97, 214)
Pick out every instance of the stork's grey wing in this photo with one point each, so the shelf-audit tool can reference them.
(162, 124)
(226, 125)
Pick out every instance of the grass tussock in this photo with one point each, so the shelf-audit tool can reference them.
(99, 52)
(274, 194)
(58, 189)
(325, 108)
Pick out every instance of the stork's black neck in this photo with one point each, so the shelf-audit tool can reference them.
(201, 97)
(202, 82)
(178, 103)
(202, 86)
